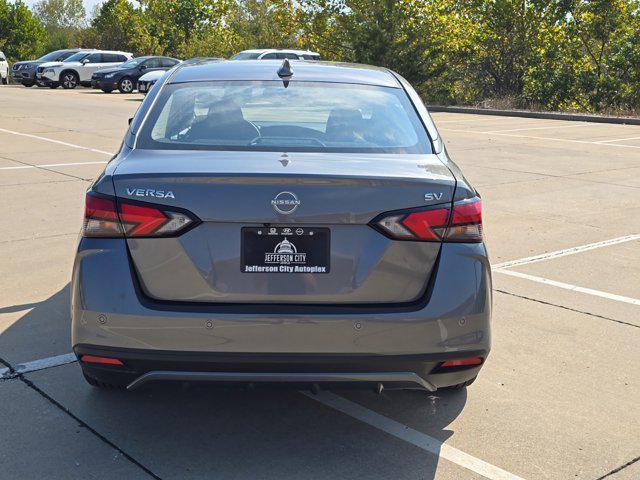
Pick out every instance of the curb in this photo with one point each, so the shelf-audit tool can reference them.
(527, 114)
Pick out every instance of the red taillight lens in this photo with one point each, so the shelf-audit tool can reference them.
(462, 362)
(101, 217)
(132, 219)
(463, 224)
(102, 360)
(466, 222)
(429, 224)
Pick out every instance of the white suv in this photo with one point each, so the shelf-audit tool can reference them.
(276, 54)
(78, 68)
(4, 69)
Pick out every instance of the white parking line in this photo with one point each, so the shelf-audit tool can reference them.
(568, 286)
(554, 139)
(39, 364)
(565, 252)
(46, 165)
(51, 140)
(585, 124)
(414, 437)
(618, 140)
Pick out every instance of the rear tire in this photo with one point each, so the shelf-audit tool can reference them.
(125, 85)
(69, 80)
(28, 85)
(5, 80)
(462, 385)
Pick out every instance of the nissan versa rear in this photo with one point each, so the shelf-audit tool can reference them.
(290, 223)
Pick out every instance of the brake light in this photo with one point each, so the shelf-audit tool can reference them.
(100, 217)
(466, 222)
(111, 217)
(463, 223)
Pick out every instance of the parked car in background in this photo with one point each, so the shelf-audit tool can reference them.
(78, 68)
(125, 77)
(276, 54)
(4, 69)
(148, 80)
(25, 72)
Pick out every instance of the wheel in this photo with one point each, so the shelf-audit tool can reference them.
(125, 85)
(28, 85)
(5, 80)
(107, 90)
(462, 385)
(106, 386)
(69, 80)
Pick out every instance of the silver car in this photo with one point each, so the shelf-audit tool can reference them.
(267, 221)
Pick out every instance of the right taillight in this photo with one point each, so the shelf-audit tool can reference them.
(462, 223)
(113, 218)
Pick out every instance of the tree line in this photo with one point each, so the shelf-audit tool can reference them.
(539, 54)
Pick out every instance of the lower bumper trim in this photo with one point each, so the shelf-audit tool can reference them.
(293, 377)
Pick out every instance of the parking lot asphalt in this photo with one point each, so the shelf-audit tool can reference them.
(559, 397)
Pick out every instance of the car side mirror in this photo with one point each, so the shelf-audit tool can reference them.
(130, 120)
(84, 61)
(142, 67)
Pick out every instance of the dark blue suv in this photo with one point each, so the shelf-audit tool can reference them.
(125, 77)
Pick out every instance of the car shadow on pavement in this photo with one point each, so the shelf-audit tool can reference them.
(42, 331)
(182, 430)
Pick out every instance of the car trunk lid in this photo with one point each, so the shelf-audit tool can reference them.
(241, 196)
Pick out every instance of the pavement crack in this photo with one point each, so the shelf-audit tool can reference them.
(567, 308)
(9, 366)
(621, 467)
(82, 423)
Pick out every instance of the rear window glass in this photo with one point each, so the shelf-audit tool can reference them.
(246, 56)
(266, 116)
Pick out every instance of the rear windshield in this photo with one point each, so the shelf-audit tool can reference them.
(52, 56)
(246, 56)
(267, 116)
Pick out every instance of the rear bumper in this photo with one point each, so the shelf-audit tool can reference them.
(144, 366)
(110, 313)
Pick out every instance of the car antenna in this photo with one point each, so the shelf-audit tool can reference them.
(285, 72)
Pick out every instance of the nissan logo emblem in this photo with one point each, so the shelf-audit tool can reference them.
(285, 203)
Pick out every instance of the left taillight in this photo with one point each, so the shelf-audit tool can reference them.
(108, 217)
(462, 223)
(101, 217)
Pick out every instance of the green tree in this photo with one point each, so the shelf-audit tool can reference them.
(64, 21)
(22, 35)
(116, 26)
(607, 34)
(180, 27)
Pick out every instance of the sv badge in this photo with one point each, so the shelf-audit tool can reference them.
(428, 197)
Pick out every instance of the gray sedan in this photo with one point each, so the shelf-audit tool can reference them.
(267, 221)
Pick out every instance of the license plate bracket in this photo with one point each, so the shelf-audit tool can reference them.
(285, 249)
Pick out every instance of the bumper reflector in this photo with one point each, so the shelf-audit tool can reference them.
(102, 360)
(462, 362)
